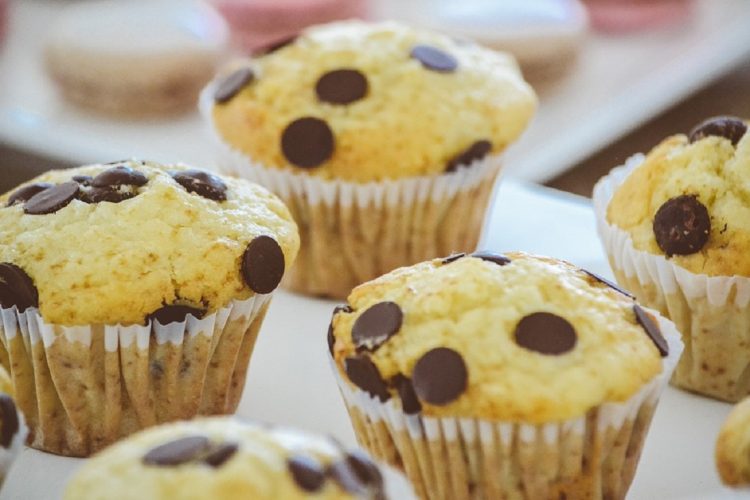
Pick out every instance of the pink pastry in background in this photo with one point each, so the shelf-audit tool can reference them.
(259, 24)
(627, 15)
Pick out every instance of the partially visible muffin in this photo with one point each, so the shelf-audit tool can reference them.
(502, 346)
(676, 228)
(13, 430)
(228, 459)
(132, 293)
(384, 140)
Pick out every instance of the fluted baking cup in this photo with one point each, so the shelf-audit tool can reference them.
(593, 456)
(84, 387)
(712, 312)
(354, 232)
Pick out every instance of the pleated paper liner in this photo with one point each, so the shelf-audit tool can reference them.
(712, 312)
(354, 232)
(84, 387)
(594, 456)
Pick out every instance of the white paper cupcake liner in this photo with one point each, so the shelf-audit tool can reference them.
(712, 312)
(593, 456)
(83, 387)
(353, 232)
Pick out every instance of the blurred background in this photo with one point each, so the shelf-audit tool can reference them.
(614, 76)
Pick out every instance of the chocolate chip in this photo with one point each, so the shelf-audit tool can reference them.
(230, 85)
(652, 329)
(220, 454)
(109, 194)
(177, 452)
(307, 142)
(682, 225)
(376, 325)
(452, 258)
(307, 472)
(364, 374)
(51, 200)
(331, 339)
(263, 264)
(729, 127)
(475, 152)
(357, 474)
(273, 47)
(409, 402)
(17, 288)
(83, 180)
(8, 420)
(202, 183)
(496, 258)
(440, 376)
(610, 284)
(545, 333)
(341, 86)
(25, 193)
(175, 313)
(121, 175)
(434, 58)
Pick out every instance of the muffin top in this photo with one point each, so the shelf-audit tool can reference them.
(125, 242)
(510, 337)
(366, 102)
(690, 200)
(223, 458)
(733, 446)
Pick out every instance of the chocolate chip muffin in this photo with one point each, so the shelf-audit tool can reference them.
(733, 447)
(502, 376)
(228, 459)
(383, 139)
(132, 294)
(13, 430)
(676, 227)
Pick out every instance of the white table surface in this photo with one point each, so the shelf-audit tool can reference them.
(617, 83)
(290, 382)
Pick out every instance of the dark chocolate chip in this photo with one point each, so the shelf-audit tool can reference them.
(230, 85)
(121, 175)
(8, 420)
(434, 59)
(175, 313)
(376, 325)
(17, 288)
(109, 194)
(365, 469)
(475, 152)
(453, 257)
(729, 127)
(220, 454)
(545, 333)
(364, 374)
(83, 180)
(51, 200)
(652, 329)
(682, 225)
(357, 474)
(25, 193)
(307, 472)
(440, 376)
(307, 142)
(497, 258)
(610, 284)
(331, 338)
(409, 402)
(177, 452)
(202, 183)
(263, 264)
(278, 45)
(341, 86)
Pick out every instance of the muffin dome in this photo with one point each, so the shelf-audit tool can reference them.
(690, 200)
(367, 102)
(228, 459)
(508, 337)
(129, 241)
